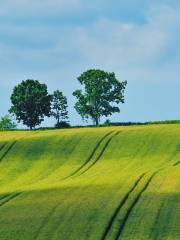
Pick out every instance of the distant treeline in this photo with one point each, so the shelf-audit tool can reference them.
(144, 123)
(165, 122)
(120, 124)
(105, 125)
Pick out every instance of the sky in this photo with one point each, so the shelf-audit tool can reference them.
(54, 41)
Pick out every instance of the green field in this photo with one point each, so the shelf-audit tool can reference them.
(92, 183)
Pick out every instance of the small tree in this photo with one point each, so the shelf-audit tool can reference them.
(7, 123)
(102, 92)
(30, 102)
(59, 107)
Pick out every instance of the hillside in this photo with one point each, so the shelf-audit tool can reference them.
(115, 183)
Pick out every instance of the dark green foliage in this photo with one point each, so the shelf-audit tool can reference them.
(101, 95)
(59, 107)
(107, 123)
(165, 122)
(30, 102)
(62, 124)
(6, 123)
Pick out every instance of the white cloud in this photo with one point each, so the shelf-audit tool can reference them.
(135, 49)
(148, 51)
(125, 44)
(57, 54)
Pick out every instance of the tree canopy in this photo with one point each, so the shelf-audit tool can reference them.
(30, 102)
(101, 94)
(59, 107)
(7, 123)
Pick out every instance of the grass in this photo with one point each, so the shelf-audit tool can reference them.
(92, 183)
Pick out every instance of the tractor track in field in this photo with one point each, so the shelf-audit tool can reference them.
(42, 175)
(129, 210)
(176, 163)
(7, 198)
(3, 197)
(1, 148)
(45, 221)
(117, 210)
(101, 153)
(132, 206)
(8, 150)
(90, 157)
(11, 146)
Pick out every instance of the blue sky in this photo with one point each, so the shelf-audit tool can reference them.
(54, 41)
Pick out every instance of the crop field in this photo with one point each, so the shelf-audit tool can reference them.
(114, 183)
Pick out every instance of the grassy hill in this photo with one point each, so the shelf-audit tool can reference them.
(117, 183)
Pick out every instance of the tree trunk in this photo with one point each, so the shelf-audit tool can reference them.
(96, 121)
(58, 119)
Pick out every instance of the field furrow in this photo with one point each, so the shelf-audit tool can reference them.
(100, 154)
(120, 206)
(132, 206)
(7, 150)
(176, 163)
(45, 222)
(122, 183)
(8, 198)
(90, 157)
(2, 146)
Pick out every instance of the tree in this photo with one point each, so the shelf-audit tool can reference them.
(59, 107)
(101, 95)
(6, 123)
(30, 102)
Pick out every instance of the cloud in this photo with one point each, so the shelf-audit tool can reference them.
(107, 43)
(138, 50)
(129, 43)
(146, 53)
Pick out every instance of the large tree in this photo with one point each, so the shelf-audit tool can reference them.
(101, 94)
(30, 102)
(59, 107)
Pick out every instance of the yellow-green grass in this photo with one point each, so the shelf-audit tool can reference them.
(92, 183)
